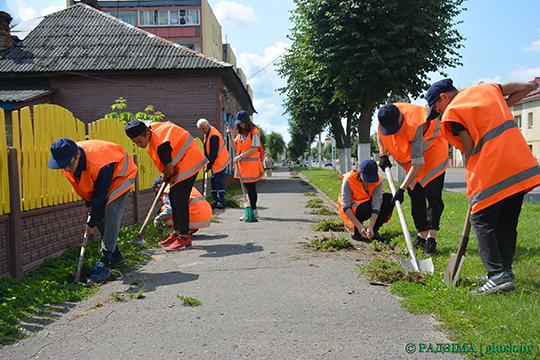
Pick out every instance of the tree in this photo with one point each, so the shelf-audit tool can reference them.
(362, 50)
(275, 144)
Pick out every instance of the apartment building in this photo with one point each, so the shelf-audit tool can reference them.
(527, 115)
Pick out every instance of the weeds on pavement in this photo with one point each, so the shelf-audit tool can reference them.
(329, 243)
(330, 225)
(189, 301)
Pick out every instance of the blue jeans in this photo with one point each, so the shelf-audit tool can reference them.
(218, 187)
(110, 227)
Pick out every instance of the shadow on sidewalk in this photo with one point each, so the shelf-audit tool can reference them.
(215, 251)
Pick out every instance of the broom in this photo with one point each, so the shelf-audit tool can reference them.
(249, 214)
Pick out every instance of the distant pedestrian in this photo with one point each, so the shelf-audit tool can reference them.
(247, 143)
(218, 158)
(102, 173)
(419, 147)
(177, 155)
(268, 164)
(362, 198)
(500, 167)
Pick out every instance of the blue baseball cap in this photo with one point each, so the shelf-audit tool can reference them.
(241, 117)
(434, 92)
(389, 119)
(62, 151)
(369, 171)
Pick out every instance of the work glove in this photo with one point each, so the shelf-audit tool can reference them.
(398, 196)
(384, 162)
(158, 224)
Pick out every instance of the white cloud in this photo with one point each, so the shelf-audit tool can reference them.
(535, 47)
(496, 79)
(231, 12)
(51, 9)
(21, 10)
(525, 74)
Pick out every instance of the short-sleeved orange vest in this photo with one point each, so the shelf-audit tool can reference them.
(223, 158)
(100, 153)
(359, 196)
(250, 167)
(501, 163)
(435, 145)
(187, 157)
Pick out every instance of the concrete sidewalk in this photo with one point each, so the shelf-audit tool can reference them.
(263, 297)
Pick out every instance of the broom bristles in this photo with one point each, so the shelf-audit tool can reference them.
(249, 215)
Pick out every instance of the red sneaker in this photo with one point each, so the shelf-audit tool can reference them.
(180, 244)
(169, 240)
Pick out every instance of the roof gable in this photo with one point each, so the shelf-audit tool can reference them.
(81, 38)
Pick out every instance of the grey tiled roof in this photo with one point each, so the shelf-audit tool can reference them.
(81, 38)
(17, 95)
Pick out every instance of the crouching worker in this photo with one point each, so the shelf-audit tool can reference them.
(200, 211)
(362, 198)
(102, 173)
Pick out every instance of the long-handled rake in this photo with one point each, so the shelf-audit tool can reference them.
(414, 264)
(139, 238)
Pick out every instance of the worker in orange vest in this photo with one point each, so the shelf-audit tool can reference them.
(247, 144)
(500, 167)
(218, 158)
(177, 155)
(362, 198)
(102, 173)
(419, 147)
(200, 211)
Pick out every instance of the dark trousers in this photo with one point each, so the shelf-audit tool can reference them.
(427, 218)
(179, 196)
(363, 213)
(252, 193)
(495, 228)
(218, 187)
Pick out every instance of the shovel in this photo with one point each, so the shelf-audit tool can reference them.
(456, 260)
(414, 264)
(81, 257)
(139, 238)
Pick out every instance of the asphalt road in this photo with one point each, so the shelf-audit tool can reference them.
(263, 297)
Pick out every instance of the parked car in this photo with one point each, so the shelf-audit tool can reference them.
(327, 163)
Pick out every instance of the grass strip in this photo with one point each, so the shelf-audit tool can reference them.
(508, 323)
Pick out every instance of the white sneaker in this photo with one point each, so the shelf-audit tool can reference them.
(242, 218)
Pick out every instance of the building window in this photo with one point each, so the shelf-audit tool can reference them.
(189, 46)
(169, 17)
(124, 15)
(518, 121)
(530, 120)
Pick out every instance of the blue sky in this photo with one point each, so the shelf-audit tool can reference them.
(503, 44)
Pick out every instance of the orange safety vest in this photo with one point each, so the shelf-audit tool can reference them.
(223, 158)
(435, 145)
(101, 153)
(501, 163)
(251, 166)
(200, 211)
(359, 196)
(187, 157)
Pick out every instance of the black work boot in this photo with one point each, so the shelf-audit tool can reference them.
(431, 247)
(420, 242)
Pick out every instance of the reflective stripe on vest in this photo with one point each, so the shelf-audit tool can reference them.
(435, 145)
(501, 163)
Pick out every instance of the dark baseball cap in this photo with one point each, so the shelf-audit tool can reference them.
(135, 128)
(389, 119)
(369, 171)
(434, 92)
(62, 151)
(241, 117)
